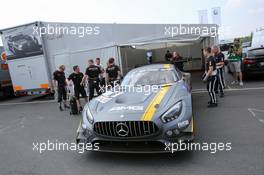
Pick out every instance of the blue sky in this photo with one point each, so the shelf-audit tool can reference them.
(239, 17)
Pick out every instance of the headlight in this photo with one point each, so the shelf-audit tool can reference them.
(173, 113)
(89, 115)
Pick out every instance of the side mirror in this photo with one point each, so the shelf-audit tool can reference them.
(186, 76)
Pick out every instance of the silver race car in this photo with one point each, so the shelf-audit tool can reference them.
(150, 109)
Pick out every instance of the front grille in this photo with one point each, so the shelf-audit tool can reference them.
(126, 128)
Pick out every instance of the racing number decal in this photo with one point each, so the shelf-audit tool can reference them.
(151, 109)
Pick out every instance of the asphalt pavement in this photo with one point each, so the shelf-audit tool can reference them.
(239, 120)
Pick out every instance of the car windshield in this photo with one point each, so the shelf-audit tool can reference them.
(149, 77)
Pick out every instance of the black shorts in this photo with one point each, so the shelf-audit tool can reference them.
(62, 93)
(78, 91)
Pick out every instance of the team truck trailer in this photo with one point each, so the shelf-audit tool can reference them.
(34, 51)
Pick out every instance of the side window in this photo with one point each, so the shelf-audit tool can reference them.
(178, 74)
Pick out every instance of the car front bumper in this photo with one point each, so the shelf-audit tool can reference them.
(157, 143)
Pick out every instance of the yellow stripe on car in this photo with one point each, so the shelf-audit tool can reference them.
(151, 109)
(166, 66)
(80, 125)
(192, 125)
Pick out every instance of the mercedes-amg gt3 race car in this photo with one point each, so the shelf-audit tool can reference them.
(150, 109)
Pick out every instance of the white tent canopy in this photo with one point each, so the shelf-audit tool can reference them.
(164, 43)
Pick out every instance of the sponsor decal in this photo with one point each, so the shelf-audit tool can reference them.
(130, 108)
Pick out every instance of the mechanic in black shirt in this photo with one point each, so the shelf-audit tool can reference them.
(76, 77)
(60, 84)
(168, 56)
(92, 73)
(220, 62)
(101, 77)
(210, 76)
(113, 73)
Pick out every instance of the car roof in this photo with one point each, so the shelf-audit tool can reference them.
(155, 66)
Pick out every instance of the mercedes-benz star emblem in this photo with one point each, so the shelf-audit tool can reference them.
(122, 129)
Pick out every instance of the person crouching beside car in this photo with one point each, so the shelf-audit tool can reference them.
(177, 60)
(210, 76)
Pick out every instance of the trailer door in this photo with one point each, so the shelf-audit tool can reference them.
(29, 74)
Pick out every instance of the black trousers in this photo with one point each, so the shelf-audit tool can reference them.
(211, 82)
(102, 82)
(93, 85)
(113, 82)
(62, 94)
(79, 90)
(220, 81)
(179, 65)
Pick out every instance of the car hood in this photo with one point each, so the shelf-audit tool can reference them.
(121, 102)
(118, 106)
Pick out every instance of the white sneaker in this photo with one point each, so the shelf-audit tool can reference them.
(241, 83)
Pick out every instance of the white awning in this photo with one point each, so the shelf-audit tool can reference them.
(164, 42)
